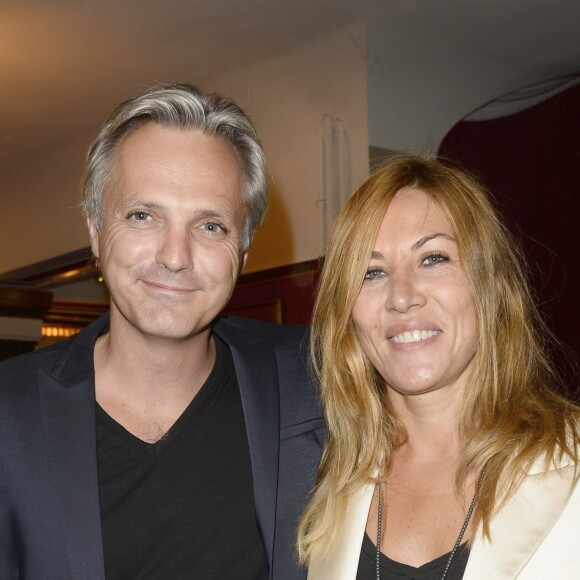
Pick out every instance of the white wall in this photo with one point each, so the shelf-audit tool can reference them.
(286, 96)
(431, 64)
(40, 218)
(27, 329)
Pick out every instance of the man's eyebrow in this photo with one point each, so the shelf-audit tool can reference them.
(210, 213)
(135, 203)
(421, 242)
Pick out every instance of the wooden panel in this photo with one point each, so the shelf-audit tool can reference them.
(24, 303)
(10, 348)
(282, 295)
(65, 269)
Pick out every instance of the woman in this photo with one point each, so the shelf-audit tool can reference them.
(449, 447)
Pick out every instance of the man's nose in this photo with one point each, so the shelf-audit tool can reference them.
(175, 250)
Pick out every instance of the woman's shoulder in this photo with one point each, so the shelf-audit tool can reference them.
(563, 459)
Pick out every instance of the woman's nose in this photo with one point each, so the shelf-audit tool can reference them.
(404, 291)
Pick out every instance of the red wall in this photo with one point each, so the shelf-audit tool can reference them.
(530, 161)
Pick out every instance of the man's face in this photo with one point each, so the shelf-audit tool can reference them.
(170, 243)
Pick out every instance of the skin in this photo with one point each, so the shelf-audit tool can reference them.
(415, 282)
(169, 251)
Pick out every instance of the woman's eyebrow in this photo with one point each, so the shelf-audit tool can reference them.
(421, 242)
(376, 255)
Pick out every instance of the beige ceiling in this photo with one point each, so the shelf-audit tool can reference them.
(64, 64)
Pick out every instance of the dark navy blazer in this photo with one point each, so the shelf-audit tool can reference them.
(50, 526)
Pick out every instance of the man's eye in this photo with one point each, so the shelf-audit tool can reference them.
(139, 216)
(213, 228)
(374, 274)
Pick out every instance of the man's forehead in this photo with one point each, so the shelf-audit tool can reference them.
(159, 134)
(155, 159)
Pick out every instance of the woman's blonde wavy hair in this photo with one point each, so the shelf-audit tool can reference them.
(512, 414)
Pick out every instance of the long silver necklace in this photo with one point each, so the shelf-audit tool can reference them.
(457, 542)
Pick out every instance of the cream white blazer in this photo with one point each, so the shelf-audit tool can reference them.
(536, 536)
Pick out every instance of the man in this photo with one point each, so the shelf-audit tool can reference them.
(158, 443)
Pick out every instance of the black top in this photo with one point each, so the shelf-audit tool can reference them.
(182, 507)
(391, 570)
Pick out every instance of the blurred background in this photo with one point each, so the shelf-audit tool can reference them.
(333, 86)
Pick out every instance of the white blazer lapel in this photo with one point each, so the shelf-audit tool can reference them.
(517, 531)
(520, 527)
(341, 561)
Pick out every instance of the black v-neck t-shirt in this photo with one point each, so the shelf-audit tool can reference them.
(183, 507)
(392, 570)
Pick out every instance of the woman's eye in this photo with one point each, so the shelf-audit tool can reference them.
(434, 259)
(374, 274)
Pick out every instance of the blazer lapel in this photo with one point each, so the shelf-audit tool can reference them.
(341, 561)
(257, 373)
(68, 417)
(522, 524)
(517, 531)
(67, 407)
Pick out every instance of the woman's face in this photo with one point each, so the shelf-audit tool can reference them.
(415, 315)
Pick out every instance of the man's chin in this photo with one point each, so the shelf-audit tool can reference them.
(175, 332)
(173, 328)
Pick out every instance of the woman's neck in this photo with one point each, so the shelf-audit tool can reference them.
(431, 421)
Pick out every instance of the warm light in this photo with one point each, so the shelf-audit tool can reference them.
(71, 273)
(59, 331)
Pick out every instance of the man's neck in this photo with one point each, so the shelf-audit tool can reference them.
(145, 383)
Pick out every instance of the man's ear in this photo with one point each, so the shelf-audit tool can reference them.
(243, 261)
(94, 234)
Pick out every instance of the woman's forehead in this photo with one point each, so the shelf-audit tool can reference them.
(414, 212)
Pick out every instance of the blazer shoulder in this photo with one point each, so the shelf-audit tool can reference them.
(257, 330)
(285, 349)
(66, 361)
(29, 363)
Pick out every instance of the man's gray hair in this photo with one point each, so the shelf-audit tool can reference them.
(185, 107)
